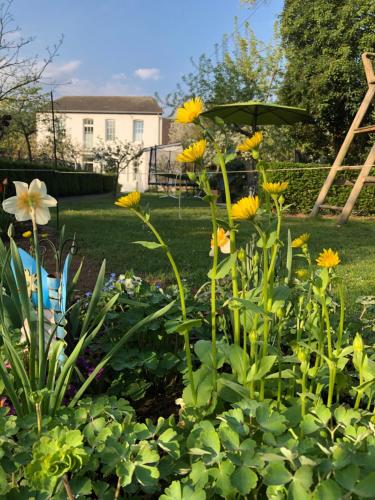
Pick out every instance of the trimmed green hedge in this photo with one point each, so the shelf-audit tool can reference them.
(9, 164)
(305, 181)
(62, 183)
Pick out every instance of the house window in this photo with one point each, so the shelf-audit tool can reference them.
(137, 130)
(88, 133)
(110, 130)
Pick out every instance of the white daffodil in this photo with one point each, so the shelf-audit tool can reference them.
(28, 199)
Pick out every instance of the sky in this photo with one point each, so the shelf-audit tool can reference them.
(131, 47)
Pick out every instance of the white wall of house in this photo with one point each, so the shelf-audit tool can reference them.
(125, 127)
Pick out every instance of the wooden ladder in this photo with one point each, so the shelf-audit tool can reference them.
(355, 128)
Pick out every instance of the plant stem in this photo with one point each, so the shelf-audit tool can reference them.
(38, 410)
(118, 490)
(41, 350)
(68, 489)
(342, 316)
(232, 232)
(181, 294)
(213, 291)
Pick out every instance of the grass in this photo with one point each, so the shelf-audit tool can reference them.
(106, 231)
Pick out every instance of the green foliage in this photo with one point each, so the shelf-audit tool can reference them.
(323, 42)
(59, 183)
(56, 453)
(305, 181)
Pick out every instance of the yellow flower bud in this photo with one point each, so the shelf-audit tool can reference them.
(241, 255)
(253, 336)
(301, 355)
(358, 343)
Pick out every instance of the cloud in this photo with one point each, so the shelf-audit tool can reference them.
(147, 73)
(77, 86)
(57, 71)
(119, 76)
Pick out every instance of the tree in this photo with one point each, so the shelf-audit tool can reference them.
(323, 42)
(16, 70)
(248, 69)
(55, 139)
(23, 125)
(115, 156)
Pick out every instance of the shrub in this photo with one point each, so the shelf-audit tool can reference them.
(60, 183)
(305, 181)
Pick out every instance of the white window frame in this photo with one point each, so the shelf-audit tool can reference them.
(138, 134)
(110, 129)
(88, 131)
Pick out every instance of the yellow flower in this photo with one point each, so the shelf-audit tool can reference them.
(358, 343)
(301, 240)
(129, 201)
(193, 153)
(275, 187)
(251, 142)
(302, 274)
(245, 208)
(27, 234)
(328, 258)
(190, 111)
(223, 241)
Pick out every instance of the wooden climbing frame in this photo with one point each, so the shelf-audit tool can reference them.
(364, 170)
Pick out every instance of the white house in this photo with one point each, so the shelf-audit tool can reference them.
(91, 120)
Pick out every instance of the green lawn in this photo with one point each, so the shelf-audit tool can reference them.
(106, 231)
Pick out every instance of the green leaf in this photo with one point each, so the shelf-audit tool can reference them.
(309, 425)
(147, 476)
(239, 360)
(151, 245)
(265, 366)
(366, 487)
(270, 421)
(178, 492)
(328, 490)
(244, 480)
(276, 474)
(224, 267)
(348, 477)
(203, 349)
(125, 471)
(188, 325)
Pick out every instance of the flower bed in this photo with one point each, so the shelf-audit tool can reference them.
(273, 392)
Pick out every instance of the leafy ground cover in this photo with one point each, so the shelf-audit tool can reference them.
(105, 231)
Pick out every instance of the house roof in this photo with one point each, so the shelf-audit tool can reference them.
(107, 104)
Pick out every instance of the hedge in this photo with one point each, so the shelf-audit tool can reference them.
(305, 181)
(9, 164)
(62, 183)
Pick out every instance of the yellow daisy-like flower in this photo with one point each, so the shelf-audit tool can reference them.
(245, 208)
(190, 111)
(193, 153)
(301, 240)
(251, 142)
(275, 187)
(223, 241)
(328, 258)
(27, 234)
(302, 274)
(129, 201)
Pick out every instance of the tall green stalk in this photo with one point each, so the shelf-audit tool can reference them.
(213, 290)
(181, 294)
(41, 346)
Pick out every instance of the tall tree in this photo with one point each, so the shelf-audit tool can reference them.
(323, 41)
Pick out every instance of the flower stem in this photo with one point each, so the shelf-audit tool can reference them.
(41, 349)
(181, 294)
(213, 291)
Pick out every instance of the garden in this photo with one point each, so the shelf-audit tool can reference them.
(230, 358)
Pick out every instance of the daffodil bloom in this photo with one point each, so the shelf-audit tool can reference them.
(328, 258)
(301, 240)
(193, 153)
(245, 208)
(251, 142)
(275, 187)
(190, 111)
(129, 201)
(223, 241)
(30, 202)
(302, 274)
(27, 234)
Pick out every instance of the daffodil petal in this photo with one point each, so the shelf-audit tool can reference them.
(226, 247)
(21, 187)
(10, 205)
(42, 216)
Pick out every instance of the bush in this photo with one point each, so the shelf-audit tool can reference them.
(305, 181)
(60, 183)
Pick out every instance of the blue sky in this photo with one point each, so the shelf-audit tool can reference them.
(132, 47)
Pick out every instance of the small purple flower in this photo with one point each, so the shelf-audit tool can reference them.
(88, 294)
